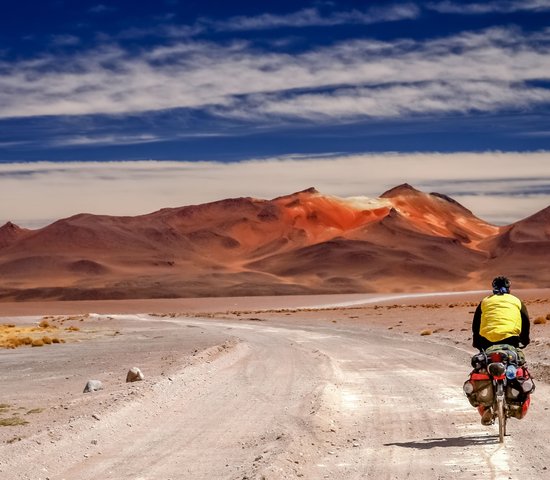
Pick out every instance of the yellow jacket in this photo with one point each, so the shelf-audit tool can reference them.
(500, 317)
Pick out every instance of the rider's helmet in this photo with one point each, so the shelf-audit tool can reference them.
(501, 285)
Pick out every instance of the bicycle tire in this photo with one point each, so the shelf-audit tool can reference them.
(501, 414)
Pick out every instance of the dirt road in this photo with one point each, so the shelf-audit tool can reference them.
(291, 401)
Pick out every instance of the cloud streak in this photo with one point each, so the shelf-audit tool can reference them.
(498, 187)
(307, 17)
(484, 71)
(480, 8)
(312, 17)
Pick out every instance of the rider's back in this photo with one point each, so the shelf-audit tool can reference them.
(500, 317)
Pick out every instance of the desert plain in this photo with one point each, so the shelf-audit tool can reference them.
(320, 386)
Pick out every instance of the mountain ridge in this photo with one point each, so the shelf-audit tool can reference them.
(305, 242)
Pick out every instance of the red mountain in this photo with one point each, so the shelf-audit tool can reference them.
(301, 243)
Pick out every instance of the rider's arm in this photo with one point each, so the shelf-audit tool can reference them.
(525, 326)
(476, 324)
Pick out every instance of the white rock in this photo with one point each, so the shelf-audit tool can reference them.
(92, 386)
(134, 375)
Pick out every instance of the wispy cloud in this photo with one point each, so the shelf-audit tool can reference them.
(312, 17)
(307, 17)
(499, 6)
(484, 71)
(103, 140)
(101, 8)
(498, 187)
(64, 40)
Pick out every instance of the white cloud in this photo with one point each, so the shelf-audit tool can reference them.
(499, 6)
(394, 101)
(487, 70)
(77, 140)
(312, 17)
(308, 17)
(498, 187)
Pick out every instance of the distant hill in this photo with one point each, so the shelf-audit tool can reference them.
(307, 242)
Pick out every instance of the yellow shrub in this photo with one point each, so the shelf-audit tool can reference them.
(37, 343)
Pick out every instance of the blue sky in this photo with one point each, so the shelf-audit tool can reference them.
(222, 82)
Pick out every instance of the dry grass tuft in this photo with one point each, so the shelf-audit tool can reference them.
(72, 329)
(12, 336)
(426, 332)
(540, 320)
(37, 342)
(35, 410)
(12, 422)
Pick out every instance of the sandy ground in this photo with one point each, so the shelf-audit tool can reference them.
(263, 388)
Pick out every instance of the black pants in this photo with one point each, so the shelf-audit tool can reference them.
(484, 344)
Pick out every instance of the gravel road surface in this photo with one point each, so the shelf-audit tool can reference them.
(286, 400)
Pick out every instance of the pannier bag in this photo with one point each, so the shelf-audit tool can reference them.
(518, 393)
(479, 389)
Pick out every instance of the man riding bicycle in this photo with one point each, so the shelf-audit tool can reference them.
(500, 319)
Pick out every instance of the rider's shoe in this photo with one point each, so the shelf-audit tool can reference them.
(487, 417)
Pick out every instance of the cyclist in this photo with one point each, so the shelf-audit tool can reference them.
(500, 318)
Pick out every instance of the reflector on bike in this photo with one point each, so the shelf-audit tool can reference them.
(495, 357)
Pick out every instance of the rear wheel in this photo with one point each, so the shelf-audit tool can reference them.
(501, 414)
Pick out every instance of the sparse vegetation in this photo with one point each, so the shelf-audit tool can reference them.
(540, 320)
(12, 336)
(426, 332)
(12, 422)
(37, 342)
(72, 329)
(35, 410)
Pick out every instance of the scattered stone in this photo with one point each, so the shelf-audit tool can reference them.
(134, 375)
(96, 417)
(93, 386)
